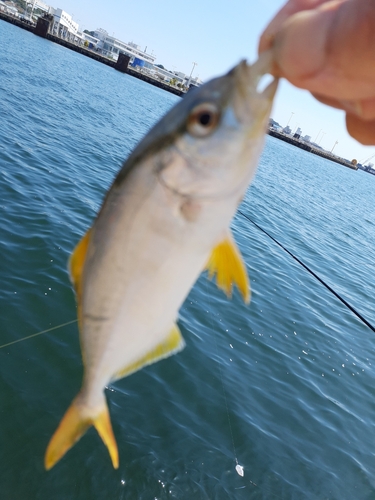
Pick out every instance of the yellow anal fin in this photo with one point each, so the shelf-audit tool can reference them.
(74, 424)
(172, 344)
(226, 262)
(76, 263)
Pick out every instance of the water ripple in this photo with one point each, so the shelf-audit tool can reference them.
(284, 386)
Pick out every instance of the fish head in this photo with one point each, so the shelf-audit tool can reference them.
(215, 148)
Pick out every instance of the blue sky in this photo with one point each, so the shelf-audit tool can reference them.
(215, 35)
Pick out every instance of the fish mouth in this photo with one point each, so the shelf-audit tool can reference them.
(252, 100)
(263, 66)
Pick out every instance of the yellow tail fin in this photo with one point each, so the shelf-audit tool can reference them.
(74, 424)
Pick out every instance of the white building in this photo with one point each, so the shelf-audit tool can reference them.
(112, 47)
(196, 81)
(166, 75)
(3, 6)
(89, 40)
(9, 9)
(38, 4)
(63, 24)
(181, 75)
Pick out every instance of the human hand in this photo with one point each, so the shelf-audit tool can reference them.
(328, 48)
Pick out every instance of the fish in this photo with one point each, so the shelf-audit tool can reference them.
(165, 219)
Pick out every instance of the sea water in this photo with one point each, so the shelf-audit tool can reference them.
(282, 389)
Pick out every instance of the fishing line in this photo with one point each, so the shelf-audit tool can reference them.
(38, 333)
(354, 311)
(239, 468)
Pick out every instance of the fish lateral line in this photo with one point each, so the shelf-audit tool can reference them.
(93, 317)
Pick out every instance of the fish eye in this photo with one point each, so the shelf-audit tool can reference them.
(203, 120)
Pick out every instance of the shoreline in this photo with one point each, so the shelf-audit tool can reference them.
(118, 65)
(41, 29)
(310, 149)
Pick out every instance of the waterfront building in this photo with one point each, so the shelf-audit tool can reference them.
(194, 81)
(10, 8)
(181, 75)
(112, 47)
(274, 124)
(164, 74)
(3, 7)
(307, 138)
(39, 5)
(177, 77)
(287, 130)
(37, 8)
(63, 25)
(89, 41)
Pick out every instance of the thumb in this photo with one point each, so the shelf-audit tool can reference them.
(329, 50)
(290, 8)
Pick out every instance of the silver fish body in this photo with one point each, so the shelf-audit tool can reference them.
(165, 218)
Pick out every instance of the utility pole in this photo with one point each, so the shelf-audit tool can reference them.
(316, 138)
(334, 146)
(290, 118)
(192, 69)
(324, 133)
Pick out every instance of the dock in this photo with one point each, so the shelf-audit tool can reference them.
(311, 149)
(42, 29)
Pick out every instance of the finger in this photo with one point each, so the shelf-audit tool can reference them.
(329, 50)
(364, 109)
(361, 130)
(290, 8)
(352, 107)
(367, 109)
(300, 47)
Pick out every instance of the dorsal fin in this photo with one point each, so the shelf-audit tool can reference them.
(226, 262)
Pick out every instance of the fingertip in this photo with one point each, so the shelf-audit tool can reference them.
(268, 35)
(289, 9)
(361, 130)
(300, 46)
(265, 42)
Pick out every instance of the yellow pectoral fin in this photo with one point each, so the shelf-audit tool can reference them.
(74, 424)
(76, 263)
(172, 344)
(226, 262)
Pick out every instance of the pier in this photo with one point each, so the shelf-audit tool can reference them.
(42, 29)
(311, 149)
